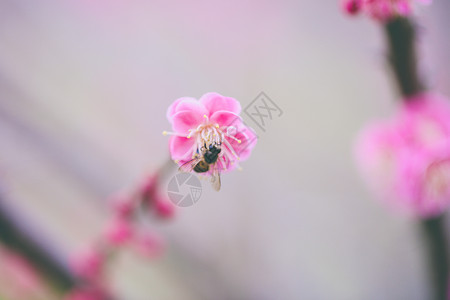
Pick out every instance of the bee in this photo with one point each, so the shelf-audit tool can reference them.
(204, 162)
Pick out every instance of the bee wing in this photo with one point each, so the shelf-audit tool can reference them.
(215, 178)
(189, 166)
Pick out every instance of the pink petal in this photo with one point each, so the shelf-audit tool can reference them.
(174, 107)
(180, 147)
(149, 244)
(225, 167)
(192, 105)
(165, 208)
(248, 141)
(184, 120)
(215, 102)
(404, 8)
(226, 118)
(118, 232)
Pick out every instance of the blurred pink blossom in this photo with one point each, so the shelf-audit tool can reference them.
(18, 278)
(86, 294)
(89, 264)
(119, 231)
(164, 208)
(149, 244)
(382, 10)
(123, 206)
(406, 160)
(213, 120)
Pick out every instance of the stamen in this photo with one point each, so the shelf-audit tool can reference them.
(190, 133)
(224, 163)
(231, 148)
(173, 133)
(234, 138)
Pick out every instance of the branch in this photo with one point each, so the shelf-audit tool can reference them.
(401, 37)
(17, 240)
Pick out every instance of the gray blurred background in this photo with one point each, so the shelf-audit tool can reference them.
(84, 87)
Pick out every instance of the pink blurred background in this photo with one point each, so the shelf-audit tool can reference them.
(84, 86)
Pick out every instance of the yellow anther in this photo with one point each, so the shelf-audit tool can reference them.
(217, 126)
(239, 141)
(164, 132)
(205, 116)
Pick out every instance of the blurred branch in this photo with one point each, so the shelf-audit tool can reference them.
(434, 235)
(17, 240)
(401, 38)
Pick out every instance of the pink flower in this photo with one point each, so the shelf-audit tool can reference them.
(352, 6)
(211, 121)
(89, 264)
(382, 10)
(19, 279)
(149, 244)
(123, 206)
(119, 231)
(86, 294)
(406, 160)
(164, 208)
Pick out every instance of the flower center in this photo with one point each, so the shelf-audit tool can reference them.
(210, 134)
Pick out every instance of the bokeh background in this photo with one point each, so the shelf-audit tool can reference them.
(84, 87)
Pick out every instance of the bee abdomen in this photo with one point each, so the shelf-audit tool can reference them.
(201, 167)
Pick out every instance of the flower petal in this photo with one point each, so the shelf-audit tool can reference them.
(180, 147)
(214, 102)
(226, 118)
(173, 108)
(184, 120)
(247, 138)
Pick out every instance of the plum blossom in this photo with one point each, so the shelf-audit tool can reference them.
(87, 294)
(122, 230)
(89, 264)
(406, 160)
(149, 244)
(164, 208)
(382, 10)
(213, 120)
(119, 231)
